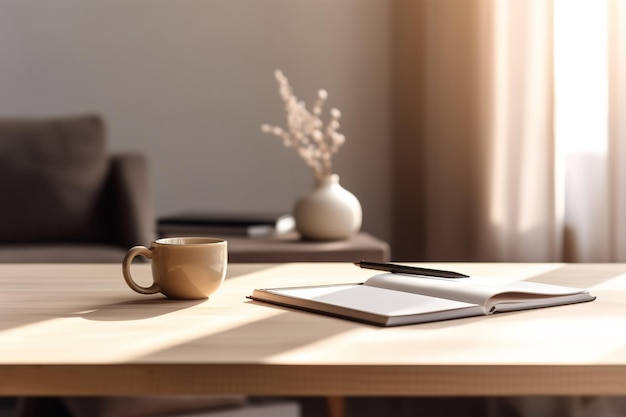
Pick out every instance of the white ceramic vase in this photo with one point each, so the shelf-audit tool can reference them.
(328, 211)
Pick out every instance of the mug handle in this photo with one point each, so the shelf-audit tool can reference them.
(128, 259)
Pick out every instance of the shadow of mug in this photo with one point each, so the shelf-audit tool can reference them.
(135, 309)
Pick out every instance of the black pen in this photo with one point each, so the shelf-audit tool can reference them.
(403, 269)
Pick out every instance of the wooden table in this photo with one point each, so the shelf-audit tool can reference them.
(78, 330)
(289, 247)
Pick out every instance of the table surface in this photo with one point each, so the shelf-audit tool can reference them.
(78, 330)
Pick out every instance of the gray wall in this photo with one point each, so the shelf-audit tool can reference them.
(189, 82)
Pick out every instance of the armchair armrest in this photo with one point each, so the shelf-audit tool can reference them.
(134, 217)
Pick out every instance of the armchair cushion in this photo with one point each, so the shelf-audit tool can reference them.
(52, 178)
(134, 219)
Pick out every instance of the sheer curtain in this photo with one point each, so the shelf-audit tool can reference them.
(510, 122)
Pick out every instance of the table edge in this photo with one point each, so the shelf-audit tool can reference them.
(311, 380)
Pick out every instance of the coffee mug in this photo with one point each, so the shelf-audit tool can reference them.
(183, 268)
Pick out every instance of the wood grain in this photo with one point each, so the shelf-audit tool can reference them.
(77, 329)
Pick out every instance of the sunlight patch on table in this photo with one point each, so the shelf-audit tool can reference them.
(544, 342)
(616, 283)
(77, 340)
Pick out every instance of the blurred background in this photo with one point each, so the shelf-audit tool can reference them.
(190, 82)
(459, 143)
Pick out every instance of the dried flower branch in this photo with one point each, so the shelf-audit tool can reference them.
(305, 130)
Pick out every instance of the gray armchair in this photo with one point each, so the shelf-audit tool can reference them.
(64, 198)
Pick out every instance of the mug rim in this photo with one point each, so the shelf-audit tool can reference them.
(189, 241)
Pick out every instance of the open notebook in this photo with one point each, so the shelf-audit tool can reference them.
(395, 299)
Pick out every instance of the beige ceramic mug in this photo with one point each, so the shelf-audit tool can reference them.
(184, 268)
